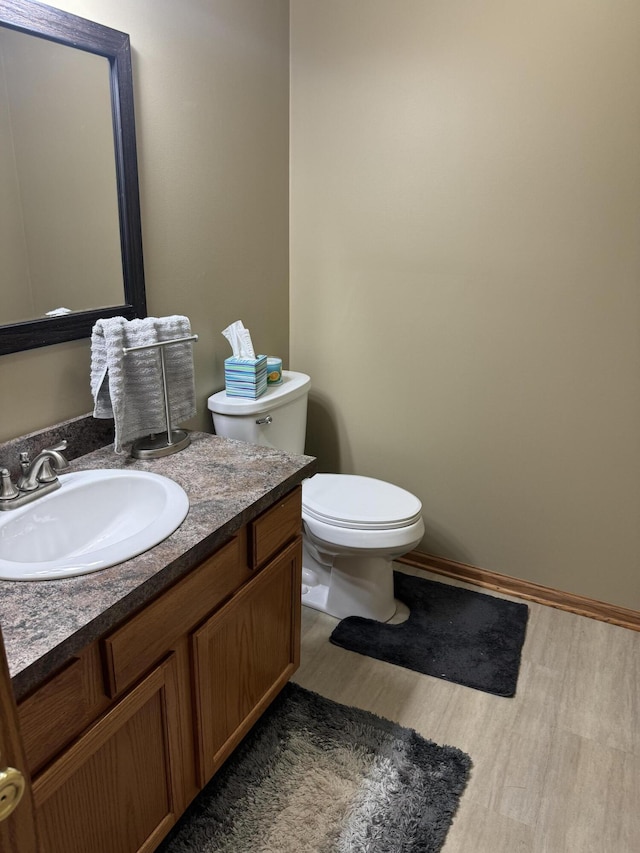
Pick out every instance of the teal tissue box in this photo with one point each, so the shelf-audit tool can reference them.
(245, 377)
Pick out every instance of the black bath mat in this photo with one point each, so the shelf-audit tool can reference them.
(451, 633)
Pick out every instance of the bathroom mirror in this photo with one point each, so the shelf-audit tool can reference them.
(70, 233)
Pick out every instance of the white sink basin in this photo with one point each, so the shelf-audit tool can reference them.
(94, 520)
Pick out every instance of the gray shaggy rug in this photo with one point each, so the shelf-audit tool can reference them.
(451, 633)
(314, 776)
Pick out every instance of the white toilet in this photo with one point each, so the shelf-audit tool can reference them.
(354, 527)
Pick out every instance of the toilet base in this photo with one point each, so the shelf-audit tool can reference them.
(351, 586)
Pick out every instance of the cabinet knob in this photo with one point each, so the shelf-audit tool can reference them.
(12, 787)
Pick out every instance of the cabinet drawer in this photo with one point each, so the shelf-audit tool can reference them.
(143, 640)
(59, 710)
(274, 528)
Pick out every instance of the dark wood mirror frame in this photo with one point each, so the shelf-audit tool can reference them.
(46, 22)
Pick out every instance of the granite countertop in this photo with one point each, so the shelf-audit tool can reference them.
(46, 623)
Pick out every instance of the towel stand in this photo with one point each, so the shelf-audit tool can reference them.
(154, 446)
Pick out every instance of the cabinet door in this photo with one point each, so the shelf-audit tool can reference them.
(244, 655)
(17, 828)
(113, 790)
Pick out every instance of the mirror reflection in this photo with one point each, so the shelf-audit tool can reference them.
(59, 225)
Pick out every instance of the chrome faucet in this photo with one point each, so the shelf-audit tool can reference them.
(38, 477)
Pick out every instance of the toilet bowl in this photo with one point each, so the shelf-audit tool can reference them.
(353, 526)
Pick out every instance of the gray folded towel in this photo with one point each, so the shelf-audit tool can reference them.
(129, 388)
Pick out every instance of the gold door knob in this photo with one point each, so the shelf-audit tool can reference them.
(12, 787)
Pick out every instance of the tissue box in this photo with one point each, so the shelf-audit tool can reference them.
(245, 377)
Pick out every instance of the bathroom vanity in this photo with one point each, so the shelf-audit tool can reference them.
(135, 683)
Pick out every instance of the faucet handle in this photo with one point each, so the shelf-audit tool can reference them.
(7, 490)
(23, 483)
(58, 447)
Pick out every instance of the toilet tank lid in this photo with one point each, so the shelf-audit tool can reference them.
(293, 385)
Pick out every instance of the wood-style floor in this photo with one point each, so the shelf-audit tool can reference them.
(556, 768)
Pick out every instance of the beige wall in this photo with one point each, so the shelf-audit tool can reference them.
(465, 271)
(211, 98)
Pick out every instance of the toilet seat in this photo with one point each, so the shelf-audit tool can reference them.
(359, 519)
(359, 503)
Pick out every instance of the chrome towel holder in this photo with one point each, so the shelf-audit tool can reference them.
(163, 444)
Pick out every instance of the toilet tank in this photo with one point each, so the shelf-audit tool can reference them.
(276, 419)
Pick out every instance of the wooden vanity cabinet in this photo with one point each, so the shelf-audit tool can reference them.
(121, 739)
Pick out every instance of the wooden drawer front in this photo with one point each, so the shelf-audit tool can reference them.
(243, 656)
(113, 790)
(146, 638)
(274, 528)
(62, 708)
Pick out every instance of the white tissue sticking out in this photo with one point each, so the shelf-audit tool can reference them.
(57, 312)
(240, 340)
